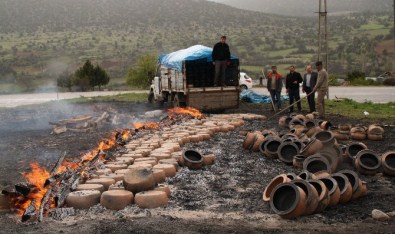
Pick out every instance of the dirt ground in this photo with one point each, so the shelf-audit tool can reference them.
(223, 198)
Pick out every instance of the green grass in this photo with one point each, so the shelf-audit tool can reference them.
(355, 110)
(129, 97)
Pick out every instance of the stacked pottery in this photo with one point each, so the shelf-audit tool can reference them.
(358, 186)
(358, 133)
(367, 162)
(388, 163)
(333, 190)
(323, 194)
(375, 132)
(282, 178)
(342, 133)
(311, 195)
(288, 200)
(344, 186)
(352, 150)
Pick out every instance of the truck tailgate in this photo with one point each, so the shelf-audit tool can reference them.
(213, 98)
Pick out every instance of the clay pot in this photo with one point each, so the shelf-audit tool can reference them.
(297, 161)
(305, 175)
(298, 131)
(321, 174)
(340, 136)
(326, 137)
(310, 124)
(325, 124)
(358, 133)
(281, 122)
(333, 190)
(309, 116)
(316, 163)
(361, 190)
(374, 137)
(367, 162)
(344, 127)
(375, 129)
(313, 130)
(323, 194)
(282, 178)
(298, 143)
(288, 200)
(258, 141)
(286, 152)
(388, 163)
(344, 186)
(292, 176)
(352, 150)
(333, 155)
(311, 196)
(312, 147)
(296, 123)
(271, 148)
(288, 136)
(355, 182)
(193, 159)
(249, 140)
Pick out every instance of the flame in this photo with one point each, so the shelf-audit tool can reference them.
(125, 134)
(188, 111)
(147, 125)
(36, 177)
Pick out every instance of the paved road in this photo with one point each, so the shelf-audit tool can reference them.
(14, 100)
(360, 94)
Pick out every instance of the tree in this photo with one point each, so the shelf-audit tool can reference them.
(84, 76)
(65, 80)
(141, 73)
(100, 77)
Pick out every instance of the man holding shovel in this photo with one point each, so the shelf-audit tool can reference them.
(321, 87)
(274, 86)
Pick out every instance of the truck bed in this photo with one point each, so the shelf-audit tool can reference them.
(213, 98)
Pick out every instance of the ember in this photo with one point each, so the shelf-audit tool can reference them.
(147, 125)
(187, 111)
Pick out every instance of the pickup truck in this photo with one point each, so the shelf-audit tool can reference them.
(186, 78)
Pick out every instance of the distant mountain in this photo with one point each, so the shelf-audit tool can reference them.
(29, 15)
(308, 7)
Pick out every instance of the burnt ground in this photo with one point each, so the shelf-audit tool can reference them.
(223, 198)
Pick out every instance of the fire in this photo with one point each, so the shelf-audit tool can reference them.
(188, 110)
(147, 125)
(36, 177)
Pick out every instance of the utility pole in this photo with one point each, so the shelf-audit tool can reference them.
(323, 36)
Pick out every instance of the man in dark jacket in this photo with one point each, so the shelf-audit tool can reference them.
(221, 57)
(292, 82)
(309, 81)
(274, 86)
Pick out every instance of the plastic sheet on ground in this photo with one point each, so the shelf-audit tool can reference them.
(251, 96)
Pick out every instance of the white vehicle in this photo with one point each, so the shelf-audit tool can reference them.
(245, 82)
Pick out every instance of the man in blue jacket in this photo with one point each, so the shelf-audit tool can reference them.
(221, 58)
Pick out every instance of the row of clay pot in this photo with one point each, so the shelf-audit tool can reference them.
(309, 126)
(149, 160)
(291, 196)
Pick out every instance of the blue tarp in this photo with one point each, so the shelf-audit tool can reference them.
(174, 60)
(251, 96)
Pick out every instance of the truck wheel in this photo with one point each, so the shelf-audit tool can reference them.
(151, 97)
(243, 87)
(179, 101)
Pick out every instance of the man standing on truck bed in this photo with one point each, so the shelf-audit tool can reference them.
(221, 57)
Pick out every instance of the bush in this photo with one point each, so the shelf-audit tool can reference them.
(363, 82)
(389, 82)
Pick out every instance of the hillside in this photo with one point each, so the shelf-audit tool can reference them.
(40, 39)
(308, 7)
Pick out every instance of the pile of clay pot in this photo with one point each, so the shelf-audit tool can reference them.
(312, 147)
(136, 176)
